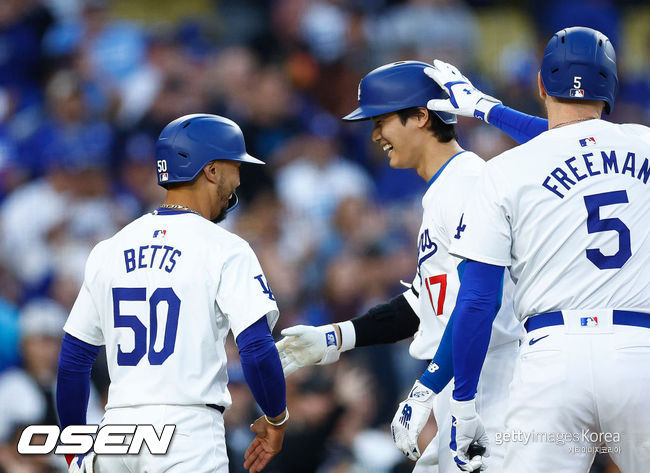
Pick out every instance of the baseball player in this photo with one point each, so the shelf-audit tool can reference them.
(394, 96)
(162, 295)
(568, 213)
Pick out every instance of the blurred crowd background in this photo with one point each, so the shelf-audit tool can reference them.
(86, 87)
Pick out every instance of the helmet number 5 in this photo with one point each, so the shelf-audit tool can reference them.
(595, 224)
(577, 82)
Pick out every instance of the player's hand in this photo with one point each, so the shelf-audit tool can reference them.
(464, 99)
(304, 345)
(410, 418)
(266, 444)
(467, 429)
(82, 463)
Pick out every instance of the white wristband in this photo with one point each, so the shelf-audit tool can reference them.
(348, 335)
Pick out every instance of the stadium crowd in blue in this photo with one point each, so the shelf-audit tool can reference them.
(85, 89)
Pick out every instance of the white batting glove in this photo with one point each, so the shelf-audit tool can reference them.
(304, 345)
(82, 463)
(464, 99)
(410, 418)
(467, 429)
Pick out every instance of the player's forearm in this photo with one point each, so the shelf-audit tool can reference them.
(476, 308)
(262, 368)
(386, 323)
(520, 126)
(73, 380)
(441, 369)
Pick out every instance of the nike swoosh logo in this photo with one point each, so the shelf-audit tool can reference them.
(535, 340)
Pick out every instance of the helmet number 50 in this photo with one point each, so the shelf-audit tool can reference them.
(162, 165)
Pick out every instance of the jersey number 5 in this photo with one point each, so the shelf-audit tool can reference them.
(162, 294)
(595, 224)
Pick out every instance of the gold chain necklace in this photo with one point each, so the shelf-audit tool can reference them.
(574, 121)
(179, 207)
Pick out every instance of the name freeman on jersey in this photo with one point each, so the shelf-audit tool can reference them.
(589, 166)
(151, 256)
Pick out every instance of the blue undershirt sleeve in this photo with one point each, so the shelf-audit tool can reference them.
(476, 307)
(441, 369)
(262, 368)
(520, 126)
(73, 380)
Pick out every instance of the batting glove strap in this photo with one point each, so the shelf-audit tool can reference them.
(484, 106)
(463, 409)
(410, 418)
(332, 345)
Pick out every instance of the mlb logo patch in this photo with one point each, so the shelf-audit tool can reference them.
(159, 233)
(577, 93)
(587, 141)
(588, 321)
(164, 177)
(330, 337)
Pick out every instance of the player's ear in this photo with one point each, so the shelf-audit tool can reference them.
(422, 117)
(540, 84)
(211, 172)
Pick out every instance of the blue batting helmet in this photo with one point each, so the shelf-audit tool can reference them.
(580, 63)
(190, 142)
(395, 87)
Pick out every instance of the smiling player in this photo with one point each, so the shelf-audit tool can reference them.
(394, 96)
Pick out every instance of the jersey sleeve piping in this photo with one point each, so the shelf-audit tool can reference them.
(83, 336)
(470, 255)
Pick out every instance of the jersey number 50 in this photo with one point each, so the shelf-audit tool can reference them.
(162, 294)
(595, 224)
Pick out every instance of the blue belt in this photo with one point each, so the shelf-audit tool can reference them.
(620, 317)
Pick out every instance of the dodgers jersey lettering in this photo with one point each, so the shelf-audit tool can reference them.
(164, 332)
(569, 212)
(436, 283)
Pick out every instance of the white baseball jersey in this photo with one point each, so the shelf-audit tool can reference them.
(162, 295)
(569, 213)
(436, 283)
